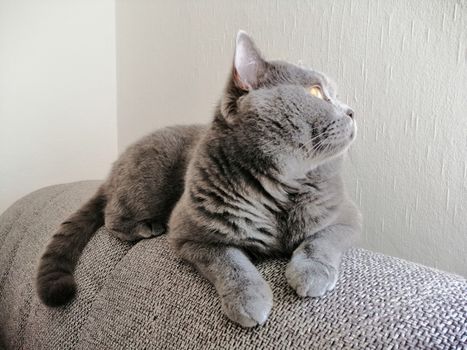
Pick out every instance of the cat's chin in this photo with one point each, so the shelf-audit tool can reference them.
(334, 153)
(342, 147)
(295, 169)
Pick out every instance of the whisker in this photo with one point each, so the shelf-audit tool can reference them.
(311, 140)
(317, 147)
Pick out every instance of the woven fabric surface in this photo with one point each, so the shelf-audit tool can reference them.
(143, 297)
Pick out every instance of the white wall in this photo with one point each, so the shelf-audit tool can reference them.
(57, 93)
(400, 64)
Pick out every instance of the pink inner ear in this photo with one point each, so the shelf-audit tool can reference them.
(238, 81)
(248, 64)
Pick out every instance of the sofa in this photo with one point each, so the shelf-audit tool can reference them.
(142, 296)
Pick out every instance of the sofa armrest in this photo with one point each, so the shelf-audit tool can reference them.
(142, 296)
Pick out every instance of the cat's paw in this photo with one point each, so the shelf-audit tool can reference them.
(141, 231)
(157, 229)
(248, 305)
(311, 278)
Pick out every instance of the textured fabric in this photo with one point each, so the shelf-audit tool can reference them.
(144, 297)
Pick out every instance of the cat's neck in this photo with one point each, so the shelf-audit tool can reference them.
(297, 169)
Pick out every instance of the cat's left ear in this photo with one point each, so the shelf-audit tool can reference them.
(249, 66)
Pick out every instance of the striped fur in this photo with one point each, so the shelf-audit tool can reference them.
(262, 180)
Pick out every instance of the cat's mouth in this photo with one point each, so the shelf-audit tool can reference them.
(340, 140)
(336, 135)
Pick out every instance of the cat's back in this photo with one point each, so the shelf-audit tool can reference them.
(163, 147)
(150, 173)
(169, 140)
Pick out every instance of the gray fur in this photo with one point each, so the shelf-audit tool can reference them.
(263, 179)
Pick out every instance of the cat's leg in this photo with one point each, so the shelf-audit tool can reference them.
(245, 296)
(314, 266)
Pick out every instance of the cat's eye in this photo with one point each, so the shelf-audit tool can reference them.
(316, 91)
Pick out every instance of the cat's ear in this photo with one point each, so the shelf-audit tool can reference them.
(249, 66)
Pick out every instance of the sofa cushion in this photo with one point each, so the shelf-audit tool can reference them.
(142, 296)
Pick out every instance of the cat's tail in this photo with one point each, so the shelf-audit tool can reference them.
(54, 281)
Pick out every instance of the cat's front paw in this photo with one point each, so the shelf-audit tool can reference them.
(310, 277)
(248, 305)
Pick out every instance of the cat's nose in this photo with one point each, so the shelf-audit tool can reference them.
(349, 112)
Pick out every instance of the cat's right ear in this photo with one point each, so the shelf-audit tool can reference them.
(247, 71)
(249, 66)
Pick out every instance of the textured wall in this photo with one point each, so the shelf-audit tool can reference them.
(400, 64)
(57, 93)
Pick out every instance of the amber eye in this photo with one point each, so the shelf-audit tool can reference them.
(315, 91)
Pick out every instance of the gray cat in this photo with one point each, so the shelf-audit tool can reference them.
(263, 179)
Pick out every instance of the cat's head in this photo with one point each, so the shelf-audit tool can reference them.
(283, 110)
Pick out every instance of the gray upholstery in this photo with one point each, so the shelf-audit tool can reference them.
(144, 297)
